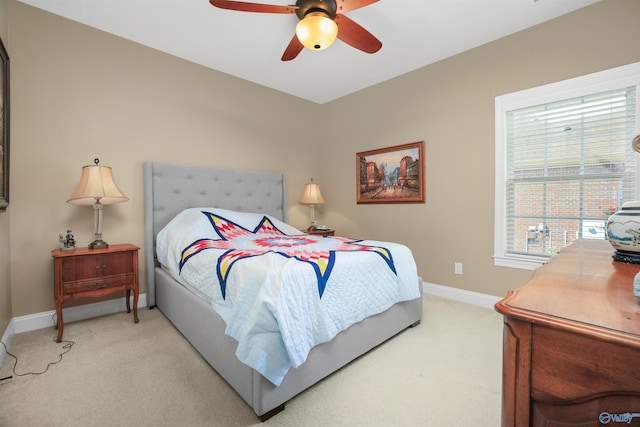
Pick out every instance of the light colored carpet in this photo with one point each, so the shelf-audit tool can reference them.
(445, 372)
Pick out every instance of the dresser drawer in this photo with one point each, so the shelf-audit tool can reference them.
(97, 284)
(568, 367)
(99, 265)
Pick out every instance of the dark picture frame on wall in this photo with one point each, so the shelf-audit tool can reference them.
(391, 175)
(4, 131)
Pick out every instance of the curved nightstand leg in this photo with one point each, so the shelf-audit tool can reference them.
(59, 322)
(135, 305)
(127, 300)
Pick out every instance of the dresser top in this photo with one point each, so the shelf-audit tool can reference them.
(582, 289)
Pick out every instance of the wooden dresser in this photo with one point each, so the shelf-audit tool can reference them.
(572, 342)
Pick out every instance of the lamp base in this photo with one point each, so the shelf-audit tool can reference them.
(98, 244)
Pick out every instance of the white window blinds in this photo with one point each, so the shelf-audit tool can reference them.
(569, 165)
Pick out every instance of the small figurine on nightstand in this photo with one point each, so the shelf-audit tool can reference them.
(68, 242)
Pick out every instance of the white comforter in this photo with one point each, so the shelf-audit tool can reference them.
(280, 291)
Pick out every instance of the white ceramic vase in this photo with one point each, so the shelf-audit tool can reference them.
(623, 228)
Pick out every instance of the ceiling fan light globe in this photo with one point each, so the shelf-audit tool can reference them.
(316, 31)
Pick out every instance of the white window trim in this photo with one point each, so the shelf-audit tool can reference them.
(627, 75)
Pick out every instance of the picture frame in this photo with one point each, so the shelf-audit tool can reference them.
(391, 175)
(4, 131)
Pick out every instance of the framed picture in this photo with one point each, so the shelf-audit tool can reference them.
(4, 128)
(391, 175)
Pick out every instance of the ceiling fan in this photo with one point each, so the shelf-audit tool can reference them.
(321, 21)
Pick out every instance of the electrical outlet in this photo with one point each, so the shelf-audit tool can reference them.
(457, 268)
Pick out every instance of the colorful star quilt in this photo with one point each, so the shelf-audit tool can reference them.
(241, 244)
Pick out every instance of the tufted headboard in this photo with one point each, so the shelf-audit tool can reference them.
(171, 188)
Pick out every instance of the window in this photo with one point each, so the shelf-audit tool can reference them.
(564, 163)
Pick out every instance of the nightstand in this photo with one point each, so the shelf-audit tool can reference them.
(84, 272)
(321, 232)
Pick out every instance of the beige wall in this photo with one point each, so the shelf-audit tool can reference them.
(5, 283)
(450, 105)
(79, 93)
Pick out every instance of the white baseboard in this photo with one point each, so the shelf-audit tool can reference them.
(467, 297)
(46, 319)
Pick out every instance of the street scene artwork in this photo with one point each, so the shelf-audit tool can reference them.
(391, 175)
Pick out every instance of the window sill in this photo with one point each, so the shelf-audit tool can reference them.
(522, 263)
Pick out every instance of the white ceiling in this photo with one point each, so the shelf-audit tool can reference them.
(414, 33)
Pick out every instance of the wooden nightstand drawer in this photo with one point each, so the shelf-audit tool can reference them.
(90, 266)
(97, 284)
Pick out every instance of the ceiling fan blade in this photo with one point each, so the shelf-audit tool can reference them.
(253, 7)
(354, 35)
(349, 5)
(294, 48)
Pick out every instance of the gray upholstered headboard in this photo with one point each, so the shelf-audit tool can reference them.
(171, 188)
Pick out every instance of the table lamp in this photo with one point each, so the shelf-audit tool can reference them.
(312, 196)
(97, 188)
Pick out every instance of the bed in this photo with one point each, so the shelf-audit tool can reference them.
(169, 189)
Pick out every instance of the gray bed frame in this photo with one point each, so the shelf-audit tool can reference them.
(171, 188)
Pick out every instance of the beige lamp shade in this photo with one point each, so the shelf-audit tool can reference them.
(311, 194)
(96, 184)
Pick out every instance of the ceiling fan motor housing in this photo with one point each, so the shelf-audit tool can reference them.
(307, 6)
